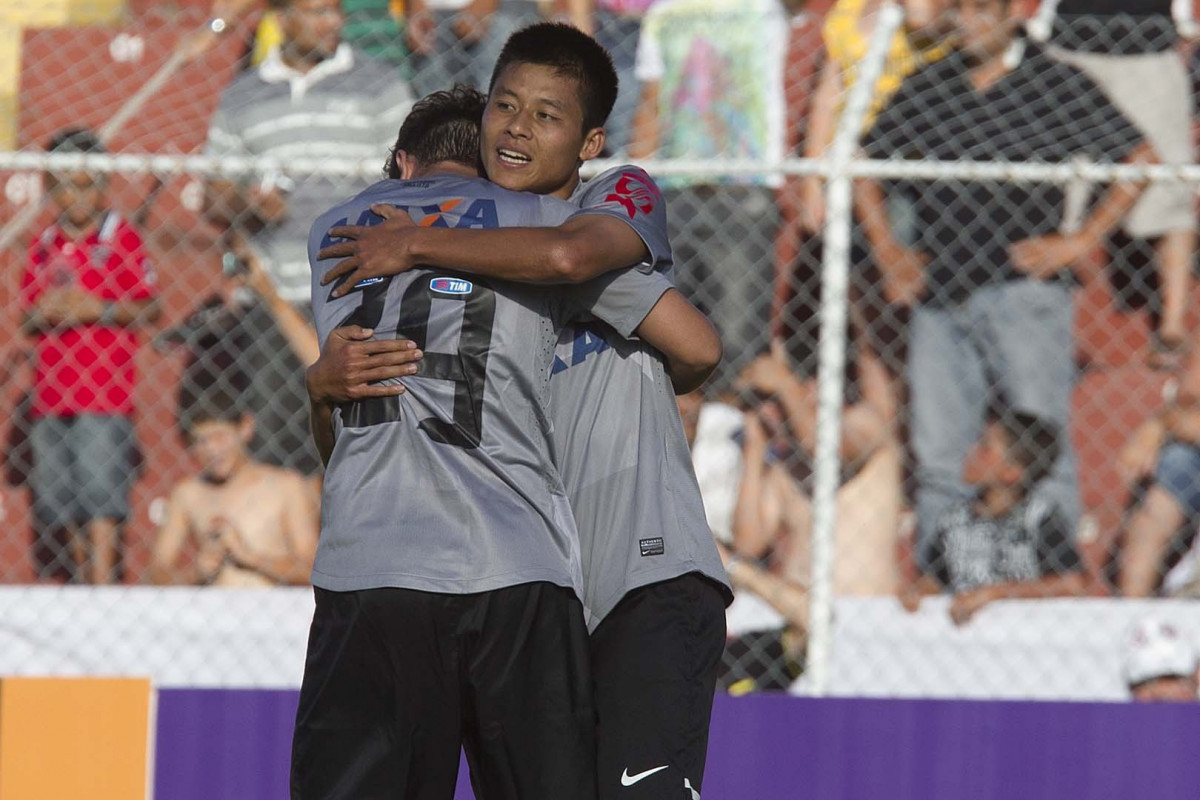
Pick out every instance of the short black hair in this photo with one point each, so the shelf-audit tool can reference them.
(75, 140)
(443, 126)
(571, 52)
(1032, 442)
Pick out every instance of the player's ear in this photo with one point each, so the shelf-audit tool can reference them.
(406, 164)
(593, 144)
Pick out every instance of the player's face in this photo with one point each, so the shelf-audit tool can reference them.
(314, 27)
(1166, 690)
(532, 136)
(220, 447)
(79, 197)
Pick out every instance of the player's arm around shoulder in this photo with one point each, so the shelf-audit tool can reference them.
(688, 341)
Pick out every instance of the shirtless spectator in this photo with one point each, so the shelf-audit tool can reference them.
(774, 512)
(251, 524)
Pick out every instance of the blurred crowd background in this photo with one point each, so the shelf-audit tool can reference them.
(1021, 412)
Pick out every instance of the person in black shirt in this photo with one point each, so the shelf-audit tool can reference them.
(989, 275)
(1128, 47)
(1007, 543)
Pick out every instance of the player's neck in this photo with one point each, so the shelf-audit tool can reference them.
(444, 168)
(566, 190)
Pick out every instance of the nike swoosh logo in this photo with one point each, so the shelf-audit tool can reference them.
(630, 780)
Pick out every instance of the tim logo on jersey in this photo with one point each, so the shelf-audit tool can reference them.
(635, 192)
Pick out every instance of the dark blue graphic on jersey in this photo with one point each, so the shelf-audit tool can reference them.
(586, 343)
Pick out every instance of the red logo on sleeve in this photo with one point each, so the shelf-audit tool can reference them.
(635, 192)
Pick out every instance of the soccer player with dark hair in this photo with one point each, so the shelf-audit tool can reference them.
(1009, 542)
(655, 587)
(448, 573)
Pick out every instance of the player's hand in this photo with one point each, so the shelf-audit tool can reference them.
(1043, 257)
(420, 32)
(903, 275)
(967, 604)
(351, 364)
(370, 251)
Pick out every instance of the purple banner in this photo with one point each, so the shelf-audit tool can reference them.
(225, 743)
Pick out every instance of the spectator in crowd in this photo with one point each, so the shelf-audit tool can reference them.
(1160, 463)
(1128, 47)
(713, 429)
(766, 624)
(774, 508)
(87, 288)
(765, 630)
(251, 524)
(989, 275)
(312, 96)
(711, 76)
(1160, 664)
(1007, 543)
(446, 39)
(616, 24)
(458, 41)
(846, 35)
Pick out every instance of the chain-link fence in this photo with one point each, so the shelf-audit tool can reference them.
(959, 374)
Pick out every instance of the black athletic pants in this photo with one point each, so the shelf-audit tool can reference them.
(654, 664)
(397, 680)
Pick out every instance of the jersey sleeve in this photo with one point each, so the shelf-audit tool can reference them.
(629, 194)
(621, 299)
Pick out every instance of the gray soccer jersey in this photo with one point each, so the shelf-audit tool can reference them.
(451, 487)
(618, 437)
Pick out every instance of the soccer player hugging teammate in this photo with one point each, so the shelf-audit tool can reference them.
(448, 567)
(655, 590)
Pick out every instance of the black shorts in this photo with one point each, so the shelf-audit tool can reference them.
(654, 663)
(397, 681)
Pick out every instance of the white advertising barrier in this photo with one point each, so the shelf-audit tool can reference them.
(1043, 649)
(251, 638)
(1046, 650)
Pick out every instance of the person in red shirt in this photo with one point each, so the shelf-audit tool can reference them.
(86, 289)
